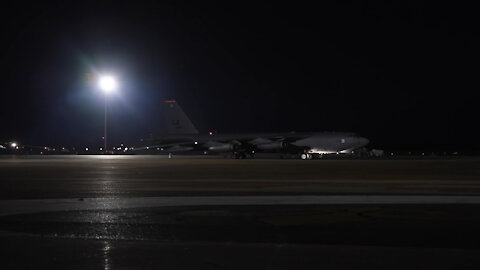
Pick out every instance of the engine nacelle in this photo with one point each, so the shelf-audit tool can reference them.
(222, 147)
(272, 146)
(178, 148)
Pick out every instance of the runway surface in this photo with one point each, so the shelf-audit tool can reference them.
(13, 207)
(149, 212)
(26, 177)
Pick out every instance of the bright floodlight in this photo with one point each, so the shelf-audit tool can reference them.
(108, 83)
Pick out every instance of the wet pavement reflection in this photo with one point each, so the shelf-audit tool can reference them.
(150, 213)
(106, 255)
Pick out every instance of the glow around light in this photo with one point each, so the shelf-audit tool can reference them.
(107, 83)
(13, 144)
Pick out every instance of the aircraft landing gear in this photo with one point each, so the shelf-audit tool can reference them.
(237, 155)
(305, 156)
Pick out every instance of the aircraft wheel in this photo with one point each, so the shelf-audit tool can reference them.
(303, 156)
(238, 155)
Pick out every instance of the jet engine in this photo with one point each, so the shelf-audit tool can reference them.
(178, 148)
(222, 147)
(272, 146)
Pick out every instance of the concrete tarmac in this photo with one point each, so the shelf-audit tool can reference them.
(149, 212)
(30, 177)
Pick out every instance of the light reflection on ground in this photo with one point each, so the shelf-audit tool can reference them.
(106, 255)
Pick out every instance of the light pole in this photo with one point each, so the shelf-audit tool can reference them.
(108, 84)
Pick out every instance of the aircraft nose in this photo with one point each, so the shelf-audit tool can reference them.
(364, 141)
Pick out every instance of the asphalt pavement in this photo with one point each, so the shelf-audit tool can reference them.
(149, 212)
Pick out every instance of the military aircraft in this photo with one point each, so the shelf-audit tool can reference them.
(182, 136)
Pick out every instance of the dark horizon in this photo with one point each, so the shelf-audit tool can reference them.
(404, 75)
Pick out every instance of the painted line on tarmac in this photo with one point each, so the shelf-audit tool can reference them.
(10, 207)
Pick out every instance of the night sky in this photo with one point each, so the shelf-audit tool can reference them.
(404, 75)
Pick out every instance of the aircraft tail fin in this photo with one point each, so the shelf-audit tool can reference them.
(176, 119)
